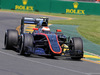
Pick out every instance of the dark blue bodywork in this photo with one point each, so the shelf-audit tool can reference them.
(54, 43)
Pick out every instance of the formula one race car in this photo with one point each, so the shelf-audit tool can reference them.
(42, 41)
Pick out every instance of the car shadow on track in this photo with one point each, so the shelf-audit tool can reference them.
(43, 56)
(52, 58)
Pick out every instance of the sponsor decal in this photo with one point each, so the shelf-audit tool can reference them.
(24, 2)
(75, 10)
(24, 6)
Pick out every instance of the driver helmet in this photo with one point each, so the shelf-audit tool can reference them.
(45, 29)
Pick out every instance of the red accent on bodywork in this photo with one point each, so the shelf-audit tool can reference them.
(50, 44)
(35, 28)
(58, 30)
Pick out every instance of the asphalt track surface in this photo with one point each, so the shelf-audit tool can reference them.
(11, 63)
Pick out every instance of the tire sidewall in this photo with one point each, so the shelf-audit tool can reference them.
(77, 45)
(11, 38)
(27, 40)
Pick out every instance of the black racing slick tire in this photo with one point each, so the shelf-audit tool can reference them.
(11, 38)
(27, 41)
(76, 48)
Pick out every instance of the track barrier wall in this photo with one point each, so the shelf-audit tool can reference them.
(54, 6)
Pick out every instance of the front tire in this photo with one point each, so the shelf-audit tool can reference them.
(76, 48)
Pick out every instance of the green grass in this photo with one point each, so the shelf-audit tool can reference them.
(89, 25)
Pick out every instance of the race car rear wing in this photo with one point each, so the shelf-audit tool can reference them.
(26, 20)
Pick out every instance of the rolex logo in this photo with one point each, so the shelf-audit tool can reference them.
(75, 4)
(25, 2)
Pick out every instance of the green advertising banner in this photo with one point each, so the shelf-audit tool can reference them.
(67, 7)
(42, 5)
(24, 5)
(18, 4)
(7, 4)
(77, 8)
(0, 4)
(53, 6)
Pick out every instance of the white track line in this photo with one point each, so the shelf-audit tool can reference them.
(45, 63)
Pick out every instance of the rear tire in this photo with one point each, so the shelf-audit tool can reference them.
(77, 46)
(11, 38)
(27, 41)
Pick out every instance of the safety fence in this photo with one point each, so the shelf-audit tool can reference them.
(54, 6)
